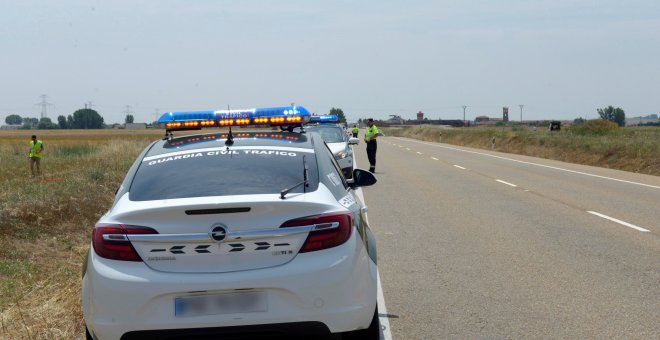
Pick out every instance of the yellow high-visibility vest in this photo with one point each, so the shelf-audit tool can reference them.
(371, 133)
(356, 130)
(35, 149)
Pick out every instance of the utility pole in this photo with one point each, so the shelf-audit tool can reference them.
(156, 114)
(464, 107)
(44, 105)
(521, 107)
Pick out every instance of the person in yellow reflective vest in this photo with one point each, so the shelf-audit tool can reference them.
(355, 131)
(370, 136)
(36, 152)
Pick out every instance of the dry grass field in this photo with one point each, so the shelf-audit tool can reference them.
(597, 143)
(46, 222)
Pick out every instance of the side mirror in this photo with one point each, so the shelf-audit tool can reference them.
(353, 141)
(361, 178)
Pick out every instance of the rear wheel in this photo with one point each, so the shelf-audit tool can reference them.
(371, 333)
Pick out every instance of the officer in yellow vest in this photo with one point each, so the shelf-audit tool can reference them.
(36, 152)
(370, 136)
(355, 131)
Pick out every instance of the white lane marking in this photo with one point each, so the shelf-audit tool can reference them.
(541, 165)
(385, 333)
(435, 159)
(419, 153)
(507, 183)
(619, 221)
(458, 166)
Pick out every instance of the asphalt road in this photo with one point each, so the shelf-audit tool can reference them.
(478, 244)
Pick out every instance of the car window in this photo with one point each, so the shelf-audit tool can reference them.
(330, 172)
(330, 134)
(221, 172)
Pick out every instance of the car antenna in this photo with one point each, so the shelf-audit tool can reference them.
(230, 137)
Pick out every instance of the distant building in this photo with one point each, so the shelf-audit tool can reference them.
(420, 116)
(11, 127)
(485, 120)
(641, 120)
(135, 126)
(394, 119)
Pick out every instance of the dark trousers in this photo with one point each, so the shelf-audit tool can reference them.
(355, 135)
(371, 153)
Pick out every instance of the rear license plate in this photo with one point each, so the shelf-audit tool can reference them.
(243, 302)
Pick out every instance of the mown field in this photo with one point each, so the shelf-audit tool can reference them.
(46, 222)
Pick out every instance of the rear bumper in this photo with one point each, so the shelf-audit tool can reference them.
(334, 287)
(304, 330)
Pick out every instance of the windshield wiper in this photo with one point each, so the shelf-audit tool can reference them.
(305, 181)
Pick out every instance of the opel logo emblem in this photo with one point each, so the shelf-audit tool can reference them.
(218, 232)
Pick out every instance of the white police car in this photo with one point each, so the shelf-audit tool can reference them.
(231, 234)
(338, 141)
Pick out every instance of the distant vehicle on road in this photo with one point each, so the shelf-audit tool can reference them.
(339, 142)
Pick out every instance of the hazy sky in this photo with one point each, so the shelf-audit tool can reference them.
(562, 59)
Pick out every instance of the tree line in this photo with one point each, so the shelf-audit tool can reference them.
(81, 119)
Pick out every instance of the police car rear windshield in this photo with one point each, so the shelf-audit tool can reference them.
(222, 171)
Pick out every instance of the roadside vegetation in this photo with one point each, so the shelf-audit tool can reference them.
(46, 223)
(595, 142)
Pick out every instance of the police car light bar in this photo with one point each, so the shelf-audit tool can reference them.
(324, 119)
(273, 116)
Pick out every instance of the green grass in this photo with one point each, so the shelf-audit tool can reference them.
(12, 272)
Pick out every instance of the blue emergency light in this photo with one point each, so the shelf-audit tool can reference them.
(273, 116)
(324, 119)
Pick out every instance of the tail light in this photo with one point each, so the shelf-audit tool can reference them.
(111, 241)
(329, 230)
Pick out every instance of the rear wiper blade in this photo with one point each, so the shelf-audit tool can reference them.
(305, 180)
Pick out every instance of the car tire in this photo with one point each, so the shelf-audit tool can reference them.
(370, 333)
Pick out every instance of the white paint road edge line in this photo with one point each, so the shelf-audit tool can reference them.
(460, 167)
(507, 183)
(385, 333)
(537, 164)
(619, 221)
